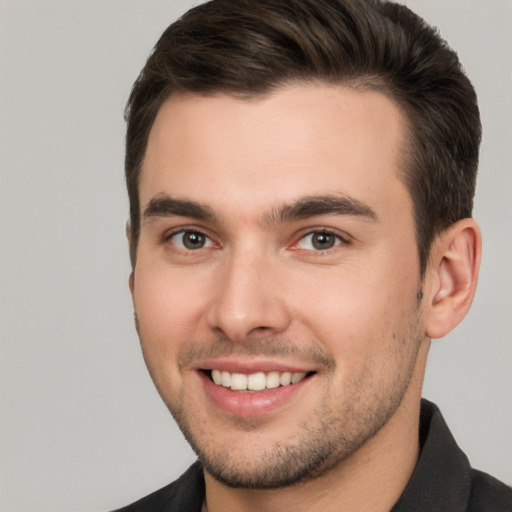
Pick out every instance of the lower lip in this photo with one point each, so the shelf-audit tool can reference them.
(250, 404)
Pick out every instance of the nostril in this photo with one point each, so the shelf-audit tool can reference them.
(260, 328)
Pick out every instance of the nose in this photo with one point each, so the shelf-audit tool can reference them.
(248, 300)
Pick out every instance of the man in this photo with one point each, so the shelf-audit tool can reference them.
(301, 176)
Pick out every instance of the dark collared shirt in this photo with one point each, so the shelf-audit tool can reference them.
(443, 480)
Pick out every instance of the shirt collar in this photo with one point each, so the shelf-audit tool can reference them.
(442, 478)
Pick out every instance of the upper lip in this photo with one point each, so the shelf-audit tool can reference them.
(251, 366)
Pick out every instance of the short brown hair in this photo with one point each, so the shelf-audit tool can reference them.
(250, 47)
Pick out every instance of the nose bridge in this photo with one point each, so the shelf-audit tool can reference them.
(247, 298)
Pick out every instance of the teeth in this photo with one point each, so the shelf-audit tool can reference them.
(217, 377)
(226, 379)
(285, 379)
(255, 381)
(238, 381)
(273, 380)
(297, 377)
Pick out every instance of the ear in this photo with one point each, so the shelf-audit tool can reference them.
(128, 231)
(132, 249)
(131, 279)
(131, 283)
(452, 277)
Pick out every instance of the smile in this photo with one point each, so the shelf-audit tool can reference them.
(250, 389)
(257, 381)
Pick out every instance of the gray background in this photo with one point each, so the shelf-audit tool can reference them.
(81, 427)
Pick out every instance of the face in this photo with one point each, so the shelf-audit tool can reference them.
(277, 277)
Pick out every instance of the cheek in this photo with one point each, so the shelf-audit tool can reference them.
(167, 312)
(360, 311)
(168, 309)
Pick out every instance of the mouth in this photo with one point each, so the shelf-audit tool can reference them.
(257, 381)
(250, 389)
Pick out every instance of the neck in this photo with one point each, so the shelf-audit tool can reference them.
(371, 479)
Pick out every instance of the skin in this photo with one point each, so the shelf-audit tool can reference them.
(259, 292)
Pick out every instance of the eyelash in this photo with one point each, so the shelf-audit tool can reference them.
(339, 240)
(183, 231)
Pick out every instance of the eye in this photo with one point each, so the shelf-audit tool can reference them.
(190, 240)
(319, 241)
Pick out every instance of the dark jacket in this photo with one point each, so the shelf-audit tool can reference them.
(443, 480)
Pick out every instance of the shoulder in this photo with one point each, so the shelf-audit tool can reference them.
(444, 479)
(185, 495)
(489, 494)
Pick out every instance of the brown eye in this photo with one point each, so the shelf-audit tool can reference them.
(190, 240)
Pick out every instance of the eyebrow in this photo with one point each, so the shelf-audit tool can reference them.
(321, 205)
(166, 206)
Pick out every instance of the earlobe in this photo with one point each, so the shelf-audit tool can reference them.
(452, 276)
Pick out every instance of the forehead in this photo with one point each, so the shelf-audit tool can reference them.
(299, 140)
